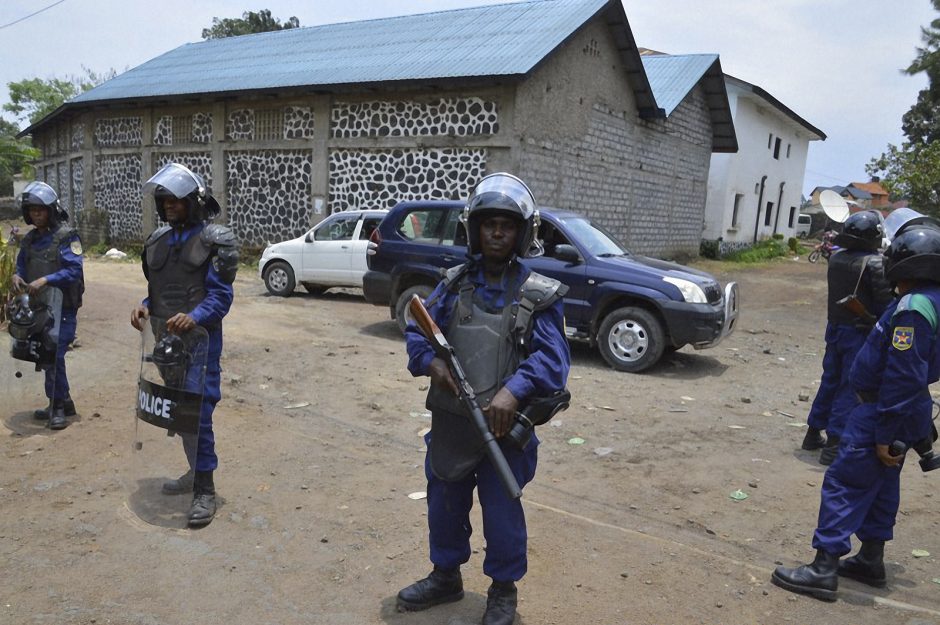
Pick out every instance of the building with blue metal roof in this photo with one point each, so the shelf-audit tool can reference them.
(289, 126)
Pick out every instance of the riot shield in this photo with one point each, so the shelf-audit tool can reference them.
(33, 355)
(166, 422)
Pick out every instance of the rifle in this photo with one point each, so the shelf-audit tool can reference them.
(445, 351)
(857, 308)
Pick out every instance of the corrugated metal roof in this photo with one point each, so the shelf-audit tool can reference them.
(498, 40)
(672, 77)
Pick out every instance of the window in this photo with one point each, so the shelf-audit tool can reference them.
(182, 129)
(369, 224)
(737, 206)
(792, 215)
(269, 124)
(426, 226)
(551, 238)
(337, 229)
(770, 140)
(770, 212)
(777, 149)
(788, 150)
(454, 232)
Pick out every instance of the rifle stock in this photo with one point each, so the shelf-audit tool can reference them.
(442, 348)
(855, 306)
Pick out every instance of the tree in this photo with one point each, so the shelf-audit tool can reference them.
(912, 170)
(250, 22)
(15, 156)
(31, 99)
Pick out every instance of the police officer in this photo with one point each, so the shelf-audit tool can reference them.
(507, 328)
(51, 256)
(190, 265)
(857, 269)
(899, 360)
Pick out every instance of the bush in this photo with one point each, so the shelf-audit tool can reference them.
(7, 267)
(778, 236)
(710, 249)
(765, 250)
(794, 245)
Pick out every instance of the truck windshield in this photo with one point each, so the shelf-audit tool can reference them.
(594, 238)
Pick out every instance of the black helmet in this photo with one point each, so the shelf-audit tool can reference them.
(39, 193)
(176, 181)
(172, 359)
(503, 194)
(861, 231)
(914, 255)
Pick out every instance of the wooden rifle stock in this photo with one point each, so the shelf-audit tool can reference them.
(855, 306)
(443, 349)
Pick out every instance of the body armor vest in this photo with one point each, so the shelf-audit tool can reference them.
(46, 261)
(845, 274)
(176, 272)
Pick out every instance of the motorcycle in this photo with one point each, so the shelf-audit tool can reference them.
(824, 248)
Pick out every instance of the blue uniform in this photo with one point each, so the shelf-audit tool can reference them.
(897, 363)
(542, 372)
(208, 314)
(70, 272)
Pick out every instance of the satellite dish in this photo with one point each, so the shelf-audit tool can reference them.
(834, 205)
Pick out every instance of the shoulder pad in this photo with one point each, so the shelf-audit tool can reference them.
(542, 291)
(454, 273)
(918, 303)
(217, 234)
(157, 234)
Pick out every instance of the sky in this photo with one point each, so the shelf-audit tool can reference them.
(836, 63)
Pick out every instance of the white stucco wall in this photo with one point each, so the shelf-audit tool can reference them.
(755, 120)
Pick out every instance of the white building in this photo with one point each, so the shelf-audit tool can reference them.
(756, 192)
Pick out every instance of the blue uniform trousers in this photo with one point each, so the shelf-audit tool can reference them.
(859, 495)
(201, 452)
(504, 526)
(57, 381)
(835, 398)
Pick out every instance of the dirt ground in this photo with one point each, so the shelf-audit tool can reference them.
(318, 434)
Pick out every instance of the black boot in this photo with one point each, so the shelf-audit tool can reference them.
(818, 579)
(42, 414)
(203, 508)
(57, 421)
(501, 601)
(813, 440)
(868, 565)
(441, 586)
(182, 484)
(829, 453)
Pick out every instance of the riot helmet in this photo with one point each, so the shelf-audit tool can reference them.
(176, 181)
(903, 218)
(39, 193)
(505, 195)
(172, 359)
(914, 254)
(861, 231)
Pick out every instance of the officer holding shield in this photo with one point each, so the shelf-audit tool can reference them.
(50, 257)
(506, 326)
(190, 265)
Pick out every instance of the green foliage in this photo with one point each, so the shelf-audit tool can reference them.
(250, 22)
(778, 236)
(15, 156)
(710, 249)
(911, 171)
(765, 250)
(31, 99)
(7, 267)
(794, 245)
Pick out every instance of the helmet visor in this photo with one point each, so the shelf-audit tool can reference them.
(901, 218)
(38, 194)
(176, 179)
(510, 187)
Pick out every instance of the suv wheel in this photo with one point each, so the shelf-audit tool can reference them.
(631, 339)
(279, 279)
(421, 290)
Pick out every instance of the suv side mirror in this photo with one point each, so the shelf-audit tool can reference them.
(567, 253)
(309, 237)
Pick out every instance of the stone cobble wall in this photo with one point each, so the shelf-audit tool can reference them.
(447, 116)
(269, 197)
(117, 182)
(362, 179)
(77, 190)
(118, 131)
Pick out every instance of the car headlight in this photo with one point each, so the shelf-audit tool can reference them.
(691, 292)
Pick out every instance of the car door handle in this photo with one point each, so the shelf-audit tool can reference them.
(345, 247)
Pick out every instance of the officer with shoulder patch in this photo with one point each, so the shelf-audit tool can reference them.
(51, 256)
(190, 266)
(892, 373)
(856, 270)
(506, 325)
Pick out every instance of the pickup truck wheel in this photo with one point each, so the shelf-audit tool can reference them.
(421, 290)
(631, 339)
(279, 279)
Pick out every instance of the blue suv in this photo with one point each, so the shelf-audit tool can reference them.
(632, 308)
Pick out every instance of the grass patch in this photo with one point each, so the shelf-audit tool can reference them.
(763, 251)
